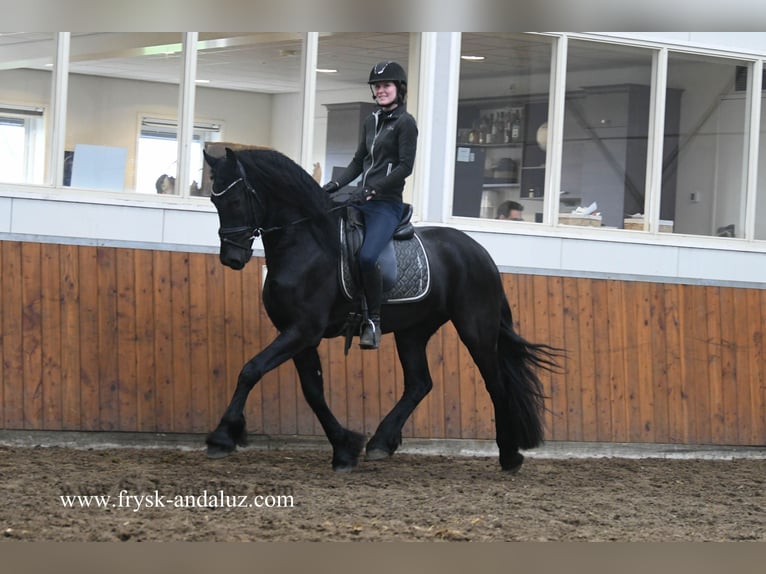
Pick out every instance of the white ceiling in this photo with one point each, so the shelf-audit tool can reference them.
(270, 62)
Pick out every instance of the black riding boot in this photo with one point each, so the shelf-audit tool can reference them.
(373, 292)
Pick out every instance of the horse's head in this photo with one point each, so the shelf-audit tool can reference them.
(235, 200)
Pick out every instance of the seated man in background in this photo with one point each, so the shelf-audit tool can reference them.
(510, 210)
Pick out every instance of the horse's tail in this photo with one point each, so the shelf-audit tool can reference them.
(519, 362)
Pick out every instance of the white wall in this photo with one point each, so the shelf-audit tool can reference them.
(106, 111)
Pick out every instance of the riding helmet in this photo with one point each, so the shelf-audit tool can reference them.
(388, 71)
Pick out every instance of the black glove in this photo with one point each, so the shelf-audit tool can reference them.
(331, 186)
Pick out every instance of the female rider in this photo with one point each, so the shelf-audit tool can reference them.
(384, 158)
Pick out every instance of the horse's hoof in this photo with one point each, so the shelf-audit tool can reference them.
(377, 454)
(215, 451)
(343, 469)
(512, 464)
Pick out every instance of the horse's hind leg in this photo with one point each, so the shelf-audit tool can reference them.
(480, 338)
(411, 346)
(346, 444)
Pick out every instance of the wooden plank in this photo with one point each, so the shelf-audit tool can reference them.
(199, 376)
(335, 380)
(469, 389)
(644, 425)
(435, 350)
(744, 376)
(89, 332)
(633, 356)
(12, 336)
(511, 287)
(109, 406)
(355, 388)
(236, 355)
(51, 338)
(694, 378)
(758, 363)
(126, 340)
(659, 343)
(451, 381)
(270, 385)
(146, 368)
(3, 382)
(371, 390)
(525, 313)
(756, 320)
(220, 387)
(31, 303)
(722, 365)
(181, 345)
(676, 363)
(701, 380)
(163, 342)
(288, 398)
(70, 337)
(557, 419)
(573, 412)
(601, 365)
(618, 373)
(386, 375)
(543, 335)
(588, 396)
(251, 342)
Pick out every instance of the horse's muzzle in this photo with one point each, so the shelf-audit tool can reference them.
(234, 258)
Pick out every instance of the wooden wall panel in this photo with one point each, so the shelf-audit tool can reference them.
(100, 338)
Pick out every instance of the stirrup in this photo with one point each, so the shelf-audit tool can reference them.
(370, 336)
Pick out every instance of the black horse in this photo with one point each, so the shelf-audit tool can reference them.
(264, 192)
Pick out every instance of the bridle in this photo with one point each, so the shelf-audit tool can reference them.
(233, 235)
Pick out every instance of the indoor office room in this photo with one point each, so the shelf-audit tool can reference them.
(608, 94)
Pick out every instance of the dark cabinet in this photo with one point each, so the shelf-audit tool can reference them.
(490, 141)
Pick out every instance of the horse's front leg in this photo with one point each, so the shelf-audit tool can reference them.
(231, 432)
(346, 444)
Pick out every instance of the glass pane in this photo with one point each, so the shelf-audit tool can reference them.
(343, 98)
(249, 84)
(760, 197)
(115, 80)
(502, 126)
(26, 62)
(606, 124)
(703, 170)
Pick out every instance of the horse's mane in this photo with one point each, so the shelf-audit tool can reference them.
(275, 173)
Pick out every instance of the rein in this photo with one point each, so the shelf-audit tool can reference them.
(256, 229)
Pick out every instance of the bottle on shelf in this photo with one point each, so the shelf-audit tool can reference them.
(516, 126)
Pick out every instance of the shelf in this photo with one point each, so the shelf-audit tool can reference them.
(515, 145)
(498, 185)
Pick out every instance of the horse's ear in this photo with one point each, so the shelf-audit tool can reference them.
(211, 161)
(230, 155)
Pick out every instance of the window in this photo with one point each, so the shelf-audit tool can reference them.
(703, 187)
(157, 152)
(22, 144)
(114, 78)
(501, 126)
(606, 127)
(26, 61)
